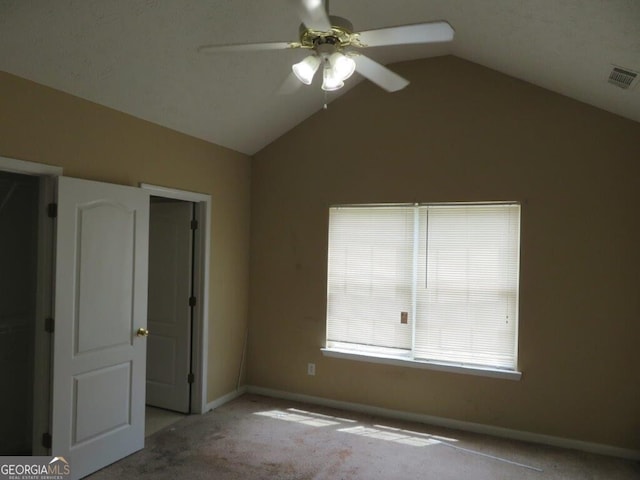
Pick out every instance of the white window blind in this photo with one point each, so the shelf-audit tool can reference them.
(370, 255)
(449, 271)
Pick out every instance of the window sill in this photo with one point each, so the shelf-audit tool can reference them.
(403, 362)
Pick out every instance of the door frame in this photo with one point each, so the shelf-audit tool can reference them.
(44, 303)
(200, 344)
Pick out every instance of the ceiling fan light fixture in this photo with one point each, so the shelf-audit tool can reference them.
(331, 81)
(306, 69)
(311, 4)
(342, 65)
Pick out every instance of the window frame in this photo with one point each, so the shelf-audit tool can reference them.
(388, 357)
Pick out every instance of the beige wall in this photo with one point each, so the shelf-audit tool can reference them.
(43, 125)
(461, 132)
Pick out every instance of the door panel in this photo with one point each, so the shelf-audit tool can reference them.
(104, 316)
(161, 360)
(168, 357)
(100, 302)
(102, 398)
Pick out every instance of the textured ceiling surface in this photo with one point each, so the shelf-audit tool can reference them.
(139, 56)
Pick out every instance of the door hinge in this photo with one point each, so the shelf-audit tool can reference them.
(49, 325)
(52, 210)
(194, 224)
(46, 440)
(192, 301)
(191, 378)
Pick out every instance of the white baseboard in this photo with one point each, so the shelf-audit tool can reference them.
(451, 423)
(218, 402)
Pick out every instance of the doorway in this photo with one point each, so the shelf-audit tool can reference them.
(19, 200)
(171, 304)
(26, 305)
(177, 305)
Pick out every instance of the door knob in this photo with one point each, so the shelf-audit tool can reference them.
(142, 332)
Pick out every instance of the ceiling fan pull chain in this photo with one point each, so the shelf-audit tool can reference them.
(325, 100)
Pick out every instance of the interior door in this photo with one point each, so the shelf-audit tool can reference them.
(169, 313)
(100, 303)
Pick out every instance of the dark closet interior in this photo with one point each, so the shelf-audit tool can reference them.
(18, 284)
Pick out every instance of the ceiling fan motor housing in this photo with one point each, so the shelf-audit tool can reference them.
(341, 34)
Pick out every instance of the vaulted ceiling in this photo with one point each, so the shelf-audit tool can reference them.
(140, 56)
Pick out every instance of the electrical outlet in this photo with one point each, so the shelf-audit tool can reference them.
(311, 368)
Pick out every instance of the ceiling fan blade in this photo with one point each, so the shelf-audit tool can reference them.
(246, 47)
(313, 15)
(418, 33)
(379, 74)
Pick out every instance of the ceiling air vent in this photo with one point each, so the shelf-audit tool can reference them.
(623, 78)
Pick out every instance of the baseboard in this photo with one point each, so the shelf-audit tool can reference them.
(218, 402)
(450, 423)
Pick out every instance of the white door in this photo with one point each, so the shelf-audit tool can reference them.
(100, 303)
(169, 313)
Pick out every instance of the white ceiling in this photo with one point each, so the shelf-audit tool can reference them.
(139, 56)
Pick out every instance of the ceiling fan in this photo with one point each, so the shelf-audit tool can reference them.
(334, 45)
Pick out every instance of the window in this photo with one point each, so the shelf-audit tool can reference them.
(426, 283)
